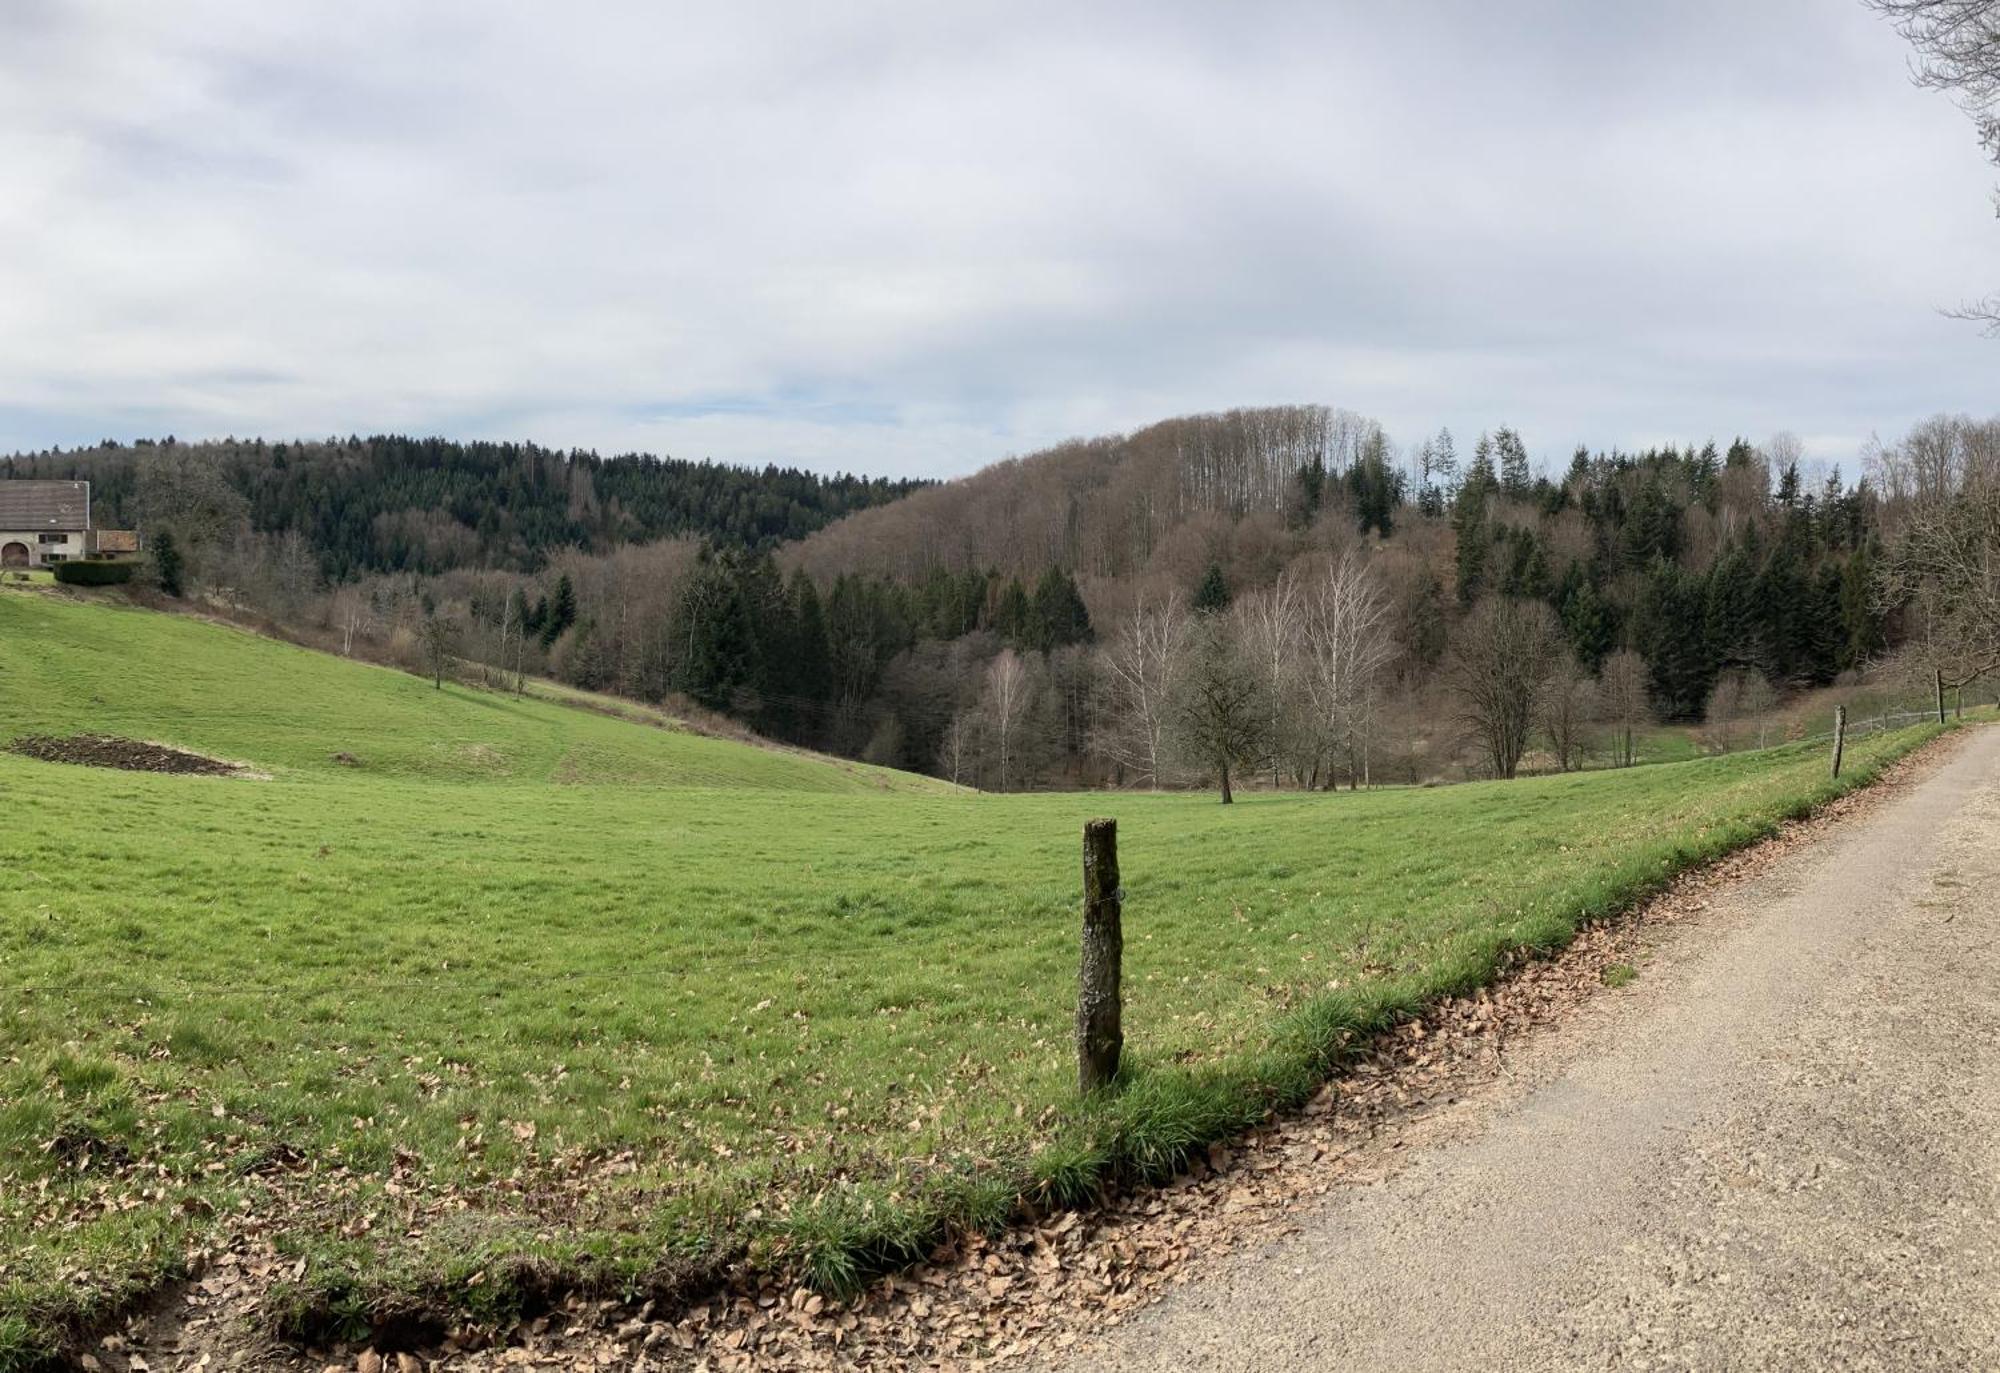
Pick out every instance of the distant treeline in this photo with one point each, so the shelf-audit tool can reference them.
(892, 634)
(391, 503)
(1044, 621)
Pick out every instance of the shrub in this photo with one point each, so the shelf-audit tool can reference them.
(94, 573)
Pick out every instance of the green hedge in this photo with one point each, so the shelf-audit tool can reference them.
(94, 573)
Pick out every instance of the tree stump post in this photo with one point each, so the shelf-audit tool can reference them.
(1938, 676)
(1839, 736)
(1099, 1036)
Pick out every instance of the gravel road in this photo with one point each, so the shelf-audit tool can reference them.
(1779, 1147)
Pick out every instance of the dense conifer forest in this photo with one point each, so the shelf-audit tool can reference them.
(395, 504)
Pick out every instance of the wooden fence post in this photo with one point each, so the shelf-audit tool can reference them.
(1099, 1037)
(1839, 736)
(1958, 702)
(1938, 675)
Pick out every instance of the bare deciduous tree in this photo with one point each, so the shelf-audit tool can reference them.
(1347, 645)
(435, 636)
(1621, 690)
(1567, 704)
(1727, 703)
(1005, 703)
(1220, 716)
(1760, 699)
(1270, 627)
(1140, 664)
(1958, 51)
(1501, 658)
(958, 746)
(350, 616)
(1942, 559)
(183, 492)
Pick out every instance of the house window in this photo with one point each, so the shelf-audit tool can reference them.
(55, 538)
(55, 557)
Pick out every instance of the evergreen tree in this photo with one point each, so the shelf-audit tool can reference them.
(561, 613)
(1786, 605)
(1013, 615)
(809, 674)
(1058, 612)
(168, 570)
(1733, 619)
(1652, 525)
(1704, 469)
(1586, 620)
(1429, 626)
(1788, 486)
(1861, 626)
(1312, 489)
(1513, 455)
(1375, 490)
(713, 634)
(1481, 477)
(1444, 463)
(1669, 630)
(1474, 538)
(1212, 595)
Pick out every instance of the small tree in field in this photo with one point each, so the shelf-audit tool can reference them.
(1221, 717)
(1760, 698)
(1725, 707)
(1501, 658)
(436, 637)
(1621, 687)
(1567, 703)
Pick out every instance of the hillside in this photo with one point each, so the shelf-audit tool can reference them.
(536, 997)
(390, 503)
(77, 665)
(1688, 585)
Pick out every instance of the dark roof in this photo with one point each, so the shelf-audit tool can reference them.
(33, 505)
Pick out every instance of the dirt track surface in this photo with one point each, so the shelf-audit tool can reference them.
(1779, 1146)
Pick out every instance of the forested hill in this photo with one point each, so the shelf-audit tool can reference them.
(396, 504)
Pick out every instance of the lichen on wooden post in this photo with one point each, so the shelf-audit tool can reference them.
(1839, 736)
(1099, 1036)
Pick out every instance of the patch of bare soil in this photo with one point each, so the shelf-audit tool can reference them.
(1051, 1282)
(128, 755)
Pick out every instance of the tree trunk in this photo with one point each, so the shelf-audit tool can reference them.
(1839, 736)
(1227, 797)
(1938, 678)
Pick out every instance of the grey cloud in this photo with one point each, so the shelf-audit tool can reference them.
(915, 238)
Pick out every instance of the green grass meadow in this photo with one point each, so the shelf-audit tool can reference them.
(572, 999)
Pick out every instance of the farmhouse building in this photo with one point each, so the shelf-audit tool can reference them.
(47, 522)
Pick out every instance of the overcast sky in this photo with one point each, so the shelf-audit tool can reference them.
(914, 238)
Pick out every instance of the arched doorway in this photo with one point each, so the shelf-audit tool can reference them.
(13, 555)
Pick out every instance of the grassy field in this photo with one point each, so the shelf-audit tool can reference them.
(533, 992)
